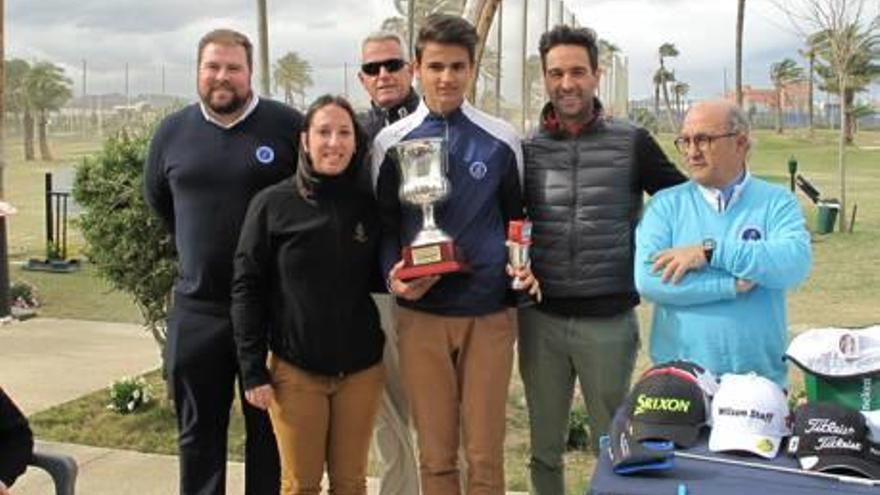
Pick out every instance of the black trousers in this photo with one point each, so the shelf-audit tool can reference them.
(201, 366)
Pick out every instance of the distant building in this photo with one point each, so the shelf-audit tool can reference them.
(795, 97)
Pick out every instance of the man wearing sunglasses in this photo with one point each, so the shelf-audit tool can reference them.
(717, 254)
(387, 77)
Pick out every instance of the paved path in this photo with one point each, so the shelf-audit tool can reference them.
(45, 362)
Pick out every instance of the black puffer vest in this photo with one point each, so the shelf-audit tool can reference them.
(583, 195)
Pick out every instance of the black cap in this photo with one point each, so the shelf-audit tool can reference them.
(831, 437)
(707, 381)
(667, 404)
(630, 456)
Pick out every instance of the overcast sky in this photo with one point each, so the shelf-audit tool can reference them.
(151, 34)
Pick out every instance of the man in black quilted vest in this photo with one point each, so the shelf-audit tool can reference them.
(585, 175)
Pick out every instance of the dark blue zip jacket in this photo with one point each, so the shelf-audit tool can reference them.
(485, 172)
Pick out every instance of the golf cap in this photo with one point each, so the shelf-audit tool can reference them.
(833, 438)
(667, 404)
(705, 378)
(629, 456)
(749, 414)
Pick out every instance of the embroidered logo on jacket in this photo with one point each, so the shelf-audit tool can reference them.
(478, 170)
(360, 233)
(265, 155)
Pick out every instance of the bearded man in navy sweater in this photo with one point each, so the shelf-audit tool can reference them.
(205, 163)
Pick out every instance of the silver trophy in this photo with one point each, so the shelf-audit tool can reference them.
(519, 238)
(423, 183)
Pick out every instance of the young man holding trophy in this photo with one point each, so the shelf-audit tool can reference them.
(448, 181)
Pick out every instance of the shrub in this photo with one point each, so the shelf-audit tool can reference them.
(126, 242)
(23, 295)
(578, 436)
(129, 394)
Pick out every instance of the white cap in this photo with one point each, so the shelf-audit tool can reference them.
(837, 352)
(750, 414)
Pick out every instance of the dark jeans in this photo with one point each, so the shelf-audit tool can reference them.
(201, 365)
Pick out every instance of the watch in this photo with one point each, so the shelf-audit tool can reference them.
(708, 249)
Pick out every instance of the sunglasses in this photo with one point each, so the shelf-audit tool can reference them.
(391, 65)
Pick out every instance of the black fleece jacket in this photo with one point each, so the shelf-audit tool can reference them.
(304, 267)
(16, 441)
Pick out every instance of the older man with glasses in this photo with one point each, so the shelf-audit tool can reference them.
(717, 254)
(386, 76)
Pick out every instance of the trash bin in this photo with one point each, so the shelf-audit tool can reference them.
(826, 215)
(861, 393)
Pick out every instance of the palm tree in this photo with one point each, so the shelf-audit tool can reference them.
(783, 73)
(810, 54)
(421, 9)
(740, 20)
(666, 77)
(48, 90)
(607, 51)
(680, 90)
(293, 74)
(16, 101)
(534, 78)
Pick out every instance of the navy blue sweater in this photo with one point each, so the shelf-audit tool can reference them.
(199, 179)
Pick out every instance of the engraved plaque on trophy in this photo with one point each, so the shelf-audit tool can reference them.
(423, 184)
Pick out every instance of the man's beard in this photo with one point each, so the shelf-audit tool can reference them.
(233, 105)
(582, 114)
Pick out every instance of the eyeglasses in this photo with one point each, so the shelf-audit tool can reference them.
(391, 65)
(702, 141)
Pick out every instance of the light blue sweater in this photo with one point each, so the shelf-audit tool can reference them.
(760, 237)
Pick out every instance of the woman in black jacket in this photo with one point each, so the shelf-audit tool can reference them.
(304, 267)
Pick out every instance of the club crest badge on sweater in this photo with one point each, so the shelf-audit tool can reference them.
(751, 233)
(265, 155)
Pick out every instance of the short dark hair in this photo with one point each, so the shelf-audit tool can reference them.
(447, 30)
(227, 37)
(567, 35)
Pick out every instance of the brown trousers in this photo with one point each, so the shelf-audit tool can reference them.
(322, 420)
(456, 371)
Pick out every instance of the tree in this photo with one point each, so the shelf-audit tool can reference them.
(48, 90)
(16, 101)
(665, 77)
(534, 81)
(740, 21)
(783, 73)
(4, 258)
(421, 9)
(127, 243)
(293, 74)
(863, 69)
(607, 51)
(847, 33)
(680, 90)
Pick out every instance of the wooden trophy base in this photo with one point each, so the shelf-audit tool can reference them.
(430, 259)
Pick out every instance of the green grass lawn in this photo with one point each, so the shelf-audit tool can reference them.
(840, 290)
